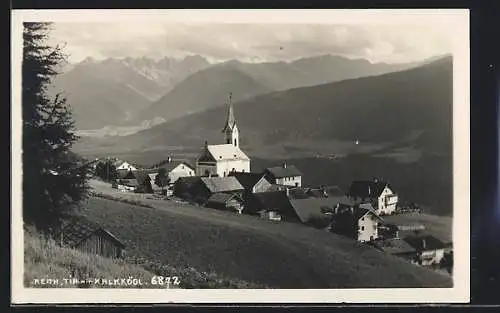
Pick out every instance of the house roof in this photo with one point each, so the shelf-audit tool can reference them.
(275, 200)
(363, 209)
(221, 184)
(367, 189)
(79, 229)
(169, 166)
(220, 198)
(422, 243)
(280, 171)
(395, 246)
(308, 207)
(226, 152)
(298, 193)
(247, 180)
(188, 180)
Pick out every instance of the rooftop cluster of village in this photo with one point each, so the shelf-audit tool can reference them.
(222, 179)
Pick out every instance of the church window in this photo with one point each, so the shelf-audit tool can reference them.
(236, 142)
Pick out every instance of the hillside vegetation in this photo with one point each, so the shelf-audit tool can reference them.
(43, 259)
(278, 255)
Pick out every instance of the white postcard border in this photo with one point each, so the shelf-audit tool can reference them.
(458, 18)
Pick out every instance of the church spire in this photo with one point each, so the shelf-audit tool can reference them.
(230, 122)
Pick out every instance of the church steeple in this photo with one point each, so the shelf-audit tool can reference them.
(230, 129)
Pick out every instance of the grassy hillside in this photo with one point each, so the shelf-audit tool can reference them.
(44, 259)
(277, 255)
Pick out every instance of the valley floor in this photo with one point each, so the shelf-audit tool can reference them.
(276, 254)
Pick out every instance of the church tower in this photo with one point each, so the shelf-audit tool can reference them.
(230, 129)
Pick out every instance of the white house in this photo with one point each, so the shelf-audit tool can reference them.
(287, 175)
(429, 250)
(359, 222)
(124, 166)
(378, 193)
(225, 158)
(176, 169)
(367, 221)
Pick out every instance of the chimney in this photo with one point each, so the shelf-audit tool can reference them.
(284, 164)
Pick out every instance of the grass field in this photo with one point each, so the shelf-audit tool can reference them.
(277, 255)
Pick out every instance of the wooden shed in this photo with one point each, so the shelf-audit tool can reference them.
(91, 238)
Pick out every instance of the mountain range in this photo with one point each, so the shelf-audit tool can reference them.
(108, 92)
(409, 110)
(133, 91)
(209, 88)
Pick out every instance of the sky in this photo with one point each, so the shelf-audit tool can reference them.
(250, 42)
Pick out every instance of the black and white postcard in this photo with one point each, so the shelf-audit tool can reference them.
(240, 156)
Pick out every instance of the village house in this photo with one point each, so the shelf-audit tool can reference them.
(121, 165)
(225, 201)
(429, 249)
(359, 222)
(274, 205)
(89, 237)
(376, 192)
(225, 158)
(200, 189)
(252, 182)
(318, 206)
(175, 169)
(287, 175)
(425, 250)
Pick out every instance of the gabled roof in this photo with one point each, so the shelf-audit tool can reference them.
(79, 229)
(422, 243)
(247, 180)
(306, 208)
(221, 198)
(275, 200)
(299, 193)
(367, 189)
(363, 209)
(226, 152)
(222, 184)
(280, 171)
(395, 246)
(169, 166)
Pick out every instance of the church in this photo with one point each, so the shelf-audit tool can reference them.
(220, 160)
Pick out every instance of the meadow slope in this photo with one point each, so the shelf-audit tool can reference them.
(278, 255)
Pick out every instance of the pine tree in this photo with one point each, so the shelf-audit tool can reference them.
(53, 180)
(162, 179)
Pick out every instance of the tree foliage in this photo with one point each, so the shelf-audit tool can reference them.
(54, 181)
(162, 179)
(106, 171)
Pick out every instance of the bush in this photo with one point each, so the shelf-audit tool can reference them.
(318, 221)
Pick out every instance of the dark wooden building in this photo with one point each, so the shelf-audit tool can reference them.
(89, 237)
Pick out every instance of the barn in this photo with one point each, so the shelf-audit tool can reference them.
(91, 238)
